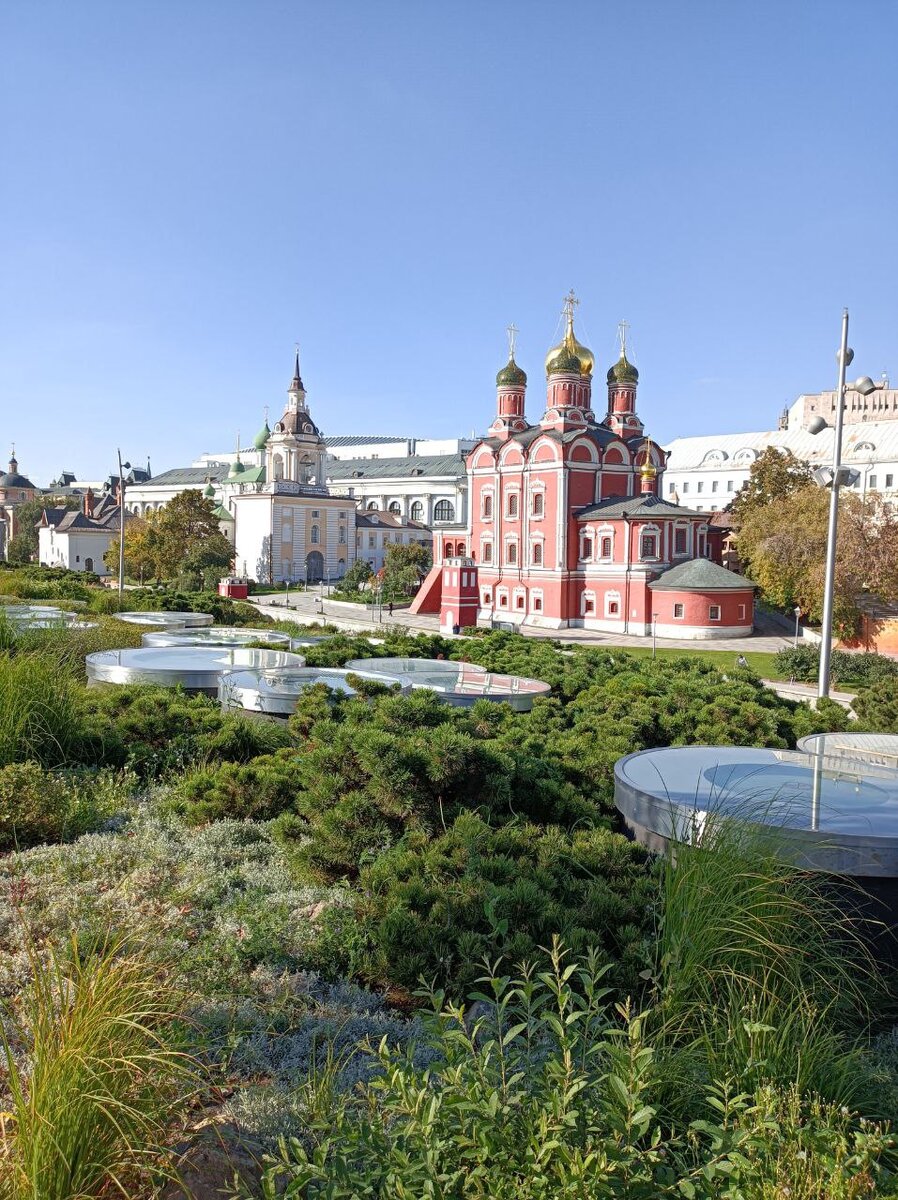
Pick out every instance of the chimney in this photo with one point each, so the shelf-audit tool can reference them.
(89, 503)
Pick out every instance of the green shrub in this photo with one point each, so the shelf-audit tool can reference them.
(256, 790)
(53, 806)
(862, 669)
(156, 731)
(546, 1091)
(435, 908)
(877, 708)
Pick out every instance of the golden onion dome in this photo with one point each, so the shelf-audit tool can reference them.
(648, 470)
(569, 354)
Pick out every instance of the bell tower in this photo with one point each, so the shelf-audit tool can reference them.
(623, 379)
(511, 389)
(294, 449)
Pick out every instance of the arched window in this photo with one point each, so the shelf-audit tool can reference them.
(512, 504)
(395, 508)
(417, 511)
(537, 554)
(538, 504)
(605, 547)
(316, 535)
(487, 505)
(443, 511)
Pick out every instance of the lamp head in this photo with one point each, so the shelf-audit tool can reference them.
(865, 385)
(817, 425)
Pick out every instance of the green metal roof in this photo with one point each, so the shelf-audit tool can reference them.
(700, 575)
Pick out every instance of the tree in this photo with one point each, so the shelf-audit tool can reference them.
(783, 547)
(404, 568)
(360, 572)
(141, 549)
(183, 538)
(23, 547)
(775, 474)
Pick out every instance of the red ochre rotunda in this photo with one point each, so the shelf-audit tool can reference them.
(566, 521)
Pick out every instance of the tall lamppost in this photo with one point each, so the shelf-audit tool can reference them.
(797, 612)
(835, 477)
(654, 632)
(121, 526)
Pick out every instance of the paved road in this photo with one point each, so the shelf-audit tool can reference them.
(307, 607)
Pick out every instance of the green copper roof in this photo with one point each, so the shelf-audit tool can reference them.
(262, 437)
(623, 371)
(564, 361)
(221, 513)
(511, 375)
(702, 575)
(209, 491)
(237, 468)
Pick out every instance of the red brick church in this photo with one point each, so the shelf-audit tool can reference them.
(566, 522)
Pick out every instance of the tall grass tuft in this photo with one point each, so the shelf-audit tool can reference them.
(39, 711)
(92, 1074)
(761, 974)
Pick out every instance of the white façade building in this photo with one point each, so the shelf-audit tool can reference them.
(375, 532)
(288, 525)
(79, 539)
(706, 473)
(430, 489)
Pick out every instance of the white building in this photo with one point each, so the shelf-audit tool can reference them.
(707, 472)
(429, 489)
(359, 446)
(289, 527)
(375, 532)
(78, 539)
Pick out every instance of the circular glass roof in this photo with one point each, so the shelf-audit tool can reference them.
(457, 682)
(834, 813)
(173, 620)
(225, 635)
(43, 616)
(193, 667)
(275, 691)
(877, 749)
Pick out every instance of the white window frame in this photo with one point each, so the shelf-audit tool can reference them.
(681, 615)
(519, 594)
(711, 608)
(513, 493)
(654, 532)
(511, 540)
(486, 543)
(488, 493)
(537, 603)
(538, 489)
(582, 555)
(612, 597)
(680, 527)
(588, 597)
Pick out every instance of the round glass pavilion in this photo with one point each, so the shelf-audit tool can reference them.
(194, 668)
(458, 683)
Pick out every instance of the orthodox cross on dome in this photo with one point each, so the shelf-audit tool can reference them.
(570, 303)
(266, 414)
(512, 332)
(622, 328)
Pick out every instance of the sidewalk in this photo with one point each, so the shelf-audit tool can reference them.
(308, 607)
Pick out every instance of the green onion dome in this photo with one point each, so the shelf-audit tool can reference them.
(262, 437)
(623, 371)
(511, 375)
(565, 360)
(209, 492)
(237, 469)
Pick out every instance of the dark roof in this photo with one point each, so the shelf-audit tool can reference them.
(395, 468)
(371, 519)
(374, 440)
(15, 480)
(296, 421)
(635, 506)
(700, 575)
(190, 475)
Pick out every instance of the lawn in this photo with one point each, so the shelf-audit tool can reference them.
(763, 664)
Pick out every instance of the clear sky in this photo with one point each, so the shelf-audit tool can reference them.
(189, 187)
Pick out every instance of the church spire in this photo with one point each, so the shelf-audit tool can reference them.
(296, 392)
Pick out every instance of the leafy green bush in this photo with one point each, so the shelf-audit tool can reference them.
(53, 806)
(435, 908)
(546, 1091)
(862, 669)
(40, 714)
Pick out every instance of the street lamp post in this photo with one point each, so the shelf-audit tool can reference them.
(654, 633)
(121, 526)
(797, 618)
(865, 386)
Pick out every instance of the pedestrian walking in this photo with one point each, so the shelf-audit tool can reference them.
(390, 608)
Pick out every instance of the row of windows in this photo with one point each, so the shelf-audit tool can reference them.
(699, 487)
(512, 505)
(648, 548)
(443, 510)
(873, 482)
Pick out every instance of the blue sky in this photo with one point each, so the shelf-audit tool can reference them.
(190, 188)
